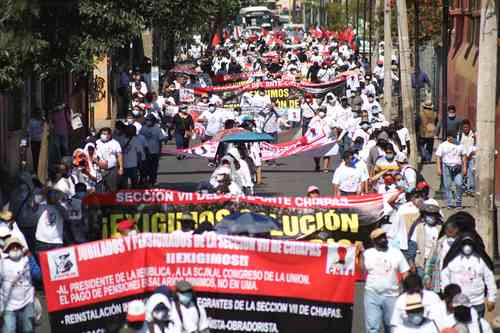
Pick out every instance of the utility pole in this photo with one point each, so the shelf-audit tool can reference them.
(387, 61)
(485, 127)
(370, 33)
(417, 57)
(404, 58)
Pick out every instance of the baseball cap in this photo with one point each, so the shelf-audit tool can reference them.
(312, 188)
(183, 286)
(125, 225)
(136, 311)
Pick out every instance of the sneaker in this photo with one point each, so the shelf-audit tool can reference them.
(211, 164)
(459, 207)
(451, 207)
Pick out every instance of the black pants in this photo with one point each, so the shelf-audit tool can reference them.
(152, 162)
(35, 153)
(110, 180)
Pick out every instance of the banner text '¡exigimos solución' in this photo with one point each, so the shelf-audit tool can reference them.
(292, 225)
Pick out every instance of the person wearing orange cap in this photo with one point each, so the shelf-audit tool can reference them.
(126, 228)
(382, 264)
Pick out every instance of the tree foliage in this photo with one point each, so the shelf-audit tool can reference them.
(48, 37)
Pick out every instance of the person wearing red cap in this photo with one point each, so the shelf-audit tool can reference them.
(136, 315)
(126, 228)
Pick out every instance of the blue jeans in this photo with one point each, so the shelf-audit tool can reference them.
(378, 308)
(449, 180)
(23, 318)
(471, 177)
(181, 142)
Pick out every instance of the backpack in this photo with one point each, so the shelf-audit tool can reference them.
(420, 177)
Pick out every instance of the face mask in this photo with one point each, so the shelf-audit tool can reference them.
(389, 157)
(160, 315)
(104, 137)
(185, 298)
(2, 243)
(38, 199)
(400, 183)
(132, 233)
(450, 241)
(211, 109)
(430, 220)
(382, 244)
(416, 318)
(452, 116)
(15, 255)
(136, 113)
(322, 114)
(467, 249)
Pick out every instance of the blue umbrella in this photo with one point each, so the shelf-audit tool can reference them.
(246, 136)
(246, 223)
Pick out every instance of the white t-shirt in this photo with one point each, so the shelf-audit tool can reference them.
(429, 301)
(404, 135)
(191, 321)
(214, 122)
(348, 179)
(451, 154)
(50, 226)
(66, 185)
(16, 288)
(383, 268)
(108, 151)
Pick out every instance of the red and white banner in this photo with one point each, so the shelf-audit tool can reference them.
(311, 88)
(311, 147)
(87, 286)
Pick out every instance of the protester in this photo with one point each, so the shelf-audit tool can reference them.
(464, 321)
(136, 317)
(413, 285)
(183, 126)
(110, 159)
(452, 165)
(467, 139)
(160, 315)
(415, 321)
(348, 179)
(35, 133)
(154, 136)
(313, 191)
(49, 230)
(382, 265)
(17, 291)
(193, 317)
(468, 265)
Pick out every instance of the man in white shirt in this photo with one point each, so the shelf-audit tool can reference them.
(467, 139)
(193, 318)
(17, 293)
(347, 179)
(452, 165)
(415, 320)
(110, 159)
(213, 120)
(382, 265)
(308, 110)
